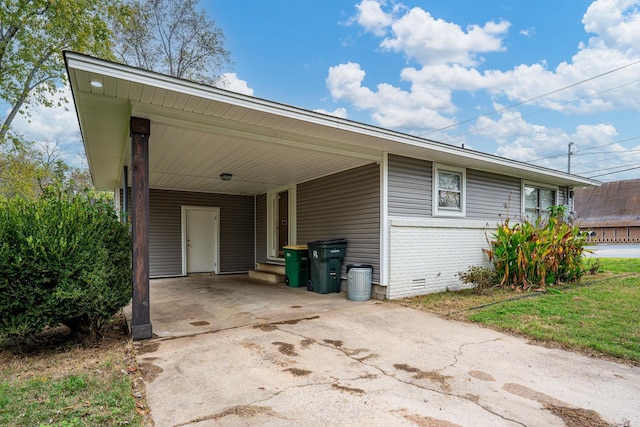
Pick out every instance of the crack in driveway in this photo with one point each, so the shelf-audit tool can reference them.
(445, 392)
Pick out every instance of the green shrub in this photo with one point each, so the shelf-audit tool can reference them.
(63, 259)
(537, 254)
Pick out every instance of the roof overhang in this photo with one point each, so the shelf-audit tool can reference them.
(199, 132)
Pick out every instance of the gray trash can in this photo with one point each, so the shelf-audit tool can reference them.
(359, 281)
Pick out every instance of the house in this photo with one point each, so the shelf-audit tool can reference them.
(220, 181)
(611, 213)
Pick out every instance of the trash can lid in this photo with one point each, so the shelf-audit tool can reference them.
(350, 266)
(296, 247)
(329, 242)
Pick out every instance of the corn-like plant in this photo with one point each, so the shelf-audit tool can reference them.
(539, 253)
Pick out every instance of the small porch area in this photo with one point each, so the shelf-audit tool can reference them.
(194, 305)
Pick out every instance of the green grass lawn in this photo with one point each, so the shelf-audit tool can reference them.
(62, 385)
(598, 316)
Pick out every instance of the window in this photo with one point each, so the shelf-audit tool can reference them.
(449, 190)
(537, 199)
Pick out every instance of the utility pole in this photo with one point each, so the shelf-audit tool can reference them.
(569, 153)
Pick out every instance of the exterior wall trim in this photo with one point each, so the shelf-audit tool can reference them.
(438, 223)
(384, 220)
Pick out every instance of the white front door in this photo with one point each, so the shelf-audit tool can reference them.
(200, 239)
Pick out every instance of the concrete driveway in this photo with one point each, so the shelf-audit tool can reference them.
(231, 351)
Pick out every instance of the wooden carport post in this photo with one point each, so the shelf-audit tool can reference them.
(141, 322)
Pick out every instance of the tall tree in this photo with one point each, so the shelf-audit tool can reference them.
(33, 34)
(28, 167)
(172, 37)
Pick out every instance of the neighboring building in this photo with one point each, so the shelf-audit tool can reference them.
(417, 210)
(610, 212)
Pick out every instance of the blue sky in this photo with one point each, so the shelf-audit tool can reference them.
(442, 69)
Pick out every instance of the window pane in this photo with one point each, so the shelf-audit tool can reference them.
(530, 198)
(547, 198)
(449, 181)
(449, 199)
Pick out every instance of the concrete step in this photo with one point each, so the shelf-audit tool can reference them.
(271, 268)
(267, 276)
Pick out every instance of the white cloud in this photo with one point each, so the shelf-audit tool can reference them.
(338, 112)
(391, 107)
(435, 41)
(372, 18)
(448, 56)
(528, 32)
(230, 81)
(616, 22)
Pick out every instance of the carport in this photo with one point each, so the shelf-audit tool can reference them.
(150, 136)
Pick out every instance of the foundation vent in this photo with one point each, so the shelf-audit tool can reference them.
(418, 284)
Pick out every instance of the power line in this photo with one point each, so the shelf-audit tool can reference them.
(611, 173)
(607, 169)
(526, 101)
(539, 111)
(590, 148)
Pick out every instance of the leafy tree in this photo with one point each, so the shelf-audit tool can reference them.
(27, 168)
(172, 37)
(33, 34)
(18, 172)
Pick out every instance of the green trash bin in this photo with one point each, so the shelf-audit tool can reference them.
(296, 267)
(325, 259)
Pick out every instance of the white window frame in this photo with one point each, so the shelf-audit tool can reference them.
(539, 186)
(446, 212)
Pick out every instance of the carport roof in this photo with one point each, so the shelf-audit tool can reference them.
(199, 132)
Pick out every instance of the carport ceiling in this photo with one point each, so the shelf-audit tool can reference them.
(199, 132)
(194, 139)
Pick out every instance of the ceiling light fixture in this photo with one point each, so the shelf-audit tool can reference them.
(96, 83)
(225, 176)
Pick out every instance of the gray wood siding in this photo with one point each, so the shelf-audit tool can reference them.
(490, 195)
(261, 228)
(165, 241)
(410, 187)
(344, 205)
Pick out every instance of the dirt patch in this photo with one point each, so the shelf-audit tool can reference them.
(577, 417)
(432, 376)
(199, 323)
(572, 417)
(298, 372)
(356, 351)
(472, 397)
(306, 342)
(479, 375)
(528, 393)
(244, 411)
(149, 371)
(351, 390)
(335, 343)
(368, 356)
(147, 348)
(286, 348)
(423, 421)
(295, 321)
